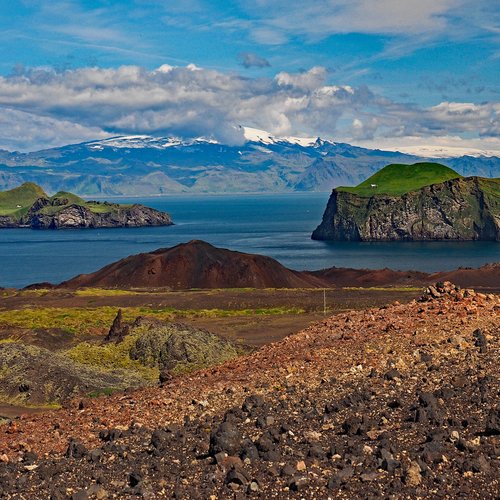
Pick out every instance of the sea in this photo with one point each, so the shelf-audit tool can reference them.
(276, 225)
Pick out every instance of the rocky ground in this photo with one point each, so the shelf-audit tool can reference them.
(398, 401)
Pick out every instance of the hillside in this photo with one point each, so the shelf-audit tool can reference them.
(16, 202)
(196, 264)
(397, 179)
(133, 354)
(29, 206)
(199, 265)
(144, 166)
(399, 204)
(398, 401)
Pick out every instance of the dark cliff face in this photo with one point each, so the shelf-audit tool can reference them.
(79, 216)
(459, 209)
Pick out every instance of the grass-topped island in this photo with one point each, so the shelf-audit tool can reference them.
(420, 202)
(28, 206)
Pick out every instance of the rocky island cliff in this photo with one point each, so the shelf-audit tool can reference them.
(28, 206)
(403, 203)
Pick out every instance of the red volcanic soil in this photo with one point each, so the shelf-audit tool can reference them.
(196, 264)
(345, 277)
(487, 276)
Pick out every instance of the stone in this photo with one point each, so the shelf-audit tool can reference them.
(480, 341)
(392, 374)
(299, 483)
(135, 478)
(236, 476)
(301, 466)
(413, 476)
(76, 450)
(80, 495)
(225, 438)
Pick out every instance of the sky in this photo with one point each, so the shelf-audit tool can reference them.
(413, 75)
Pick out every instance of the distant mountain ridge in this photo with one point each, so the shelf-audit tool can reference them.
(144, 166)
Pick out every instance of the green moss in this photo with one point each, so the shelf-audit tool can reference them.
(111, 357)
(108, 391)
(103, 292)
(180, 348)
(91, 321)
(384, 288)
(397, 179)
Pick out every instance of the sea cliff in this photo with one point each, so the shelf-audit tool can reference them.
(457, 209)
(29, 207)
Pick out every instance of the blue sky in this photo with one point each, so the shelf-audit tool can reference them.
(387, 73)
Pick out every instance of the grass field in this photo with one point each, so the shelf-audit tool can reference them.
(24, 196)
(16, 202)
(94, 321)
(397, 179)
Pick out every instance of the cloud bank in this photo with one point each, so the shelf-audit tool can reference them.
(189, 101)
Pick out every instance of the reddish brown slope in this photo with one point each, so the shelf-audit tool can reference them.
(196, 264)
(400, 402)
(487, 276)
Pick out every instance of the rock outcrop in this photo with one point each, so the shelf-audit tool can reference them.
(64, 213)
(79, 216)
(458, 209)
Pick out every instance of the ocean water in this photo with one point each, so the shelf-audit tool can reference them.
(277, 225)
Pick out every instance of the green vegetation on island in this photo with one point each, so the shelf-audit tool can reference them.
(30, 206)
(16, 202)
(420, 202)
(397, 179)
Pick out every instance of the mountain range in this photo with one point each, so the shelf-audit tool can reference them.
(144, 165)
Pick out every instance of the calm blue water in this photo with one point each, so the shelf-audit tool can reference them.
(276, 225)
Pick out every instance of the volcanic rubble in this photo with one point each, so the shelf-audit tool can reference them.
(399, 401)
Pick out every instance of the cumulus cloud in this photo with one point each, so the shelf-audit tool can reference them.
(249, 60)
(190, 101)
(20, 131)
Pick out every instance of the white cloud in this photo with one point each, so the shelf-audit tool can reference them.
(326, 17)
(20, 131)
(307, 80)
(191, 101)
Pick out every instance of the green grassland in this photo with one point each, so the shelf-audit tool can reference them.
(95, 321)
(397, 179)
(24, 195)
(491, 187)
(16, 202)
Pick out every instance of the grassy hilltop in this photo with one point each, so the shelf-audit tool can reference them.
(397, 179)
(419, 202)
(17, 202)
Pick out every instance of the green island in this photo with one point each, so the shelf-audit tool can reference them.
(30, 206)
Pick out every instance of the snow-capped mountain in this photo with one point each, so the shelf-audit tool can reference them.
(249, 135)
(141, 165)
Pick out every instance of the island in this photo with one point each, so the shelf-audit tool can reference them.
(419, 202)
(29, 206)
